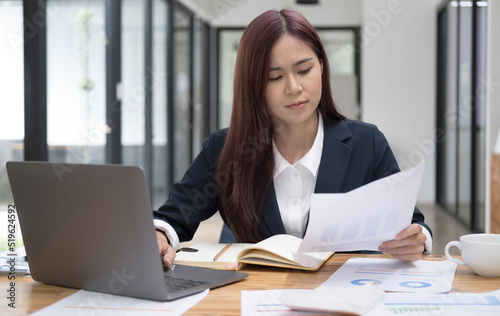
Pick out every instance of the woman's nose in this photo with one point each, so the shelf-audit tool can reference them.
(292, 85)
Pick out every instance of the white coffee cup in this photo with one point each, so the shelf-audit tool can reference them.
(481, 252)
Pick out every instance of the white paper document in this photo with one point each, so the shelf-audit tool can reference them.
(365, 217)
(456, 304)
(422, 276)
(14, 260)
(268, 302)
(96, 303)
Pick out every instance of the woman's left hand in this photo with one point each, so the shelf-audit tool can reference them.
(408, 245)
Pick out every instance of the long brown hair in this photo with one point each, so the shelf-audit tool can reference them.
(247, 158)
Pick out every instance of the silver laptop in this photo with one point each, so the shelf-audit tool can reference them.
(91, 227)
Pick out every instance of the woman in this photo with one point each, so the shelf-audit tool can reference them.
(286, 140)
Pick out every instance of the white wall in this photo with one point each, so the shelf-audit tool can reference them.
(493, 94)
(398, 80)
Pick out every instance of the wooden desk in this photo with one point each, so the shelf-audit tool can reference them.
(32, 296)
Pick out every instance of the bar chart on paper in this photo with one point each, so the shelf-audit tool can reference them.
(414, 310)
(371, 214)
(268, 302)
(456, 304)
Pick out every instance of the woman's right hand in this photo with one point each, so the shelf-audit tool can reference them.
(167, 253)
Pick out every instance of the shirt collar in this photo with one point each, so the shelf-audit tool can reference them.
(310, 161)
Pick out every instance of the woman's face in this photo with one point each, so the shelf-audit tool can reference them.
(294, 88)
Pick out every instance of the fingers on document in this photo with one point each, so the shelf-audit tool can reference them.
(409, 248)
(411, 230)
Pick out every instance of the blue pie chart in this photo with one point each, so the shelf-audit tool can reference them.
(366, 281)
(415, 284)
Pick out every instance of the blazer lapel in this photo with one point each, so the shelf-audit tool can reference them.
(335, 158)
(271, 221)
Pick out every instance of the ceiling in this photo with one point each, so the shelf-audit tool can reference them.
(238, 13)
(213, 9)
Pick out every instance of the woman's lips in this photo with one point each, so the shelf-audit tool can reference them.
(297, 105)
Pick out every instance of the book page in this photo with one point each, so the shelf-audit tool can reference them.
(282, 248)
(278, 250)
(207, 251)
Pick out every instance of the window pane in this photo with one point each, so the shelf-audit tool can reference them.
(12, 109)
(133, 83)
(339, 46)
(464, 114)
(159, 191)
(228, 47)
(182, 93)
(451, 113)
(481, 116)
(200, 106)
(76, 81)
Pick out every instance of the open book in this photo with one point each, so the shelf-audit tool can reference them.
(275, 251)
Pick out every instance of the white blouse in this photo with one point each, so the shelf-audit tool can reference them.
(294, 184)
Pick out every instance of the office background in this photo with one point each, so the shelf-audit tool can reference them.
(142, 82)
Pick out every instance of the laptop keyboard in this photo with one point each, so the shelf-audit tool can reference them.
(177, 284)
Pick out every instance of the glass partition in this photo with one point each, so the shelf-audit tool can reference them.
(228, 47)
(76, 42)
(464, 110)
(451, 128)
(12, 109)
(182, 149)
(481, 96)
(461, 111)
(340, 49)
(200, 80)
(133, 82)
(159, 191)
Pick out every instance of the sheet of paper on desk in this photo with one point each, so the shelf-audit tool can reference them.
(95, 303)
(456, 304)
(422, 276)
(14, 260)
(268, 302)
(365, 217)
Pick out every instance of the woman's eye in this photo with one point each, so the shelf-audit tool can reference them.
(303, 72)
(275, 78)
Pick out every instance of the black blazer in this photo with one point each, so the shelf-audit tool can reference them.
(354, 154)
